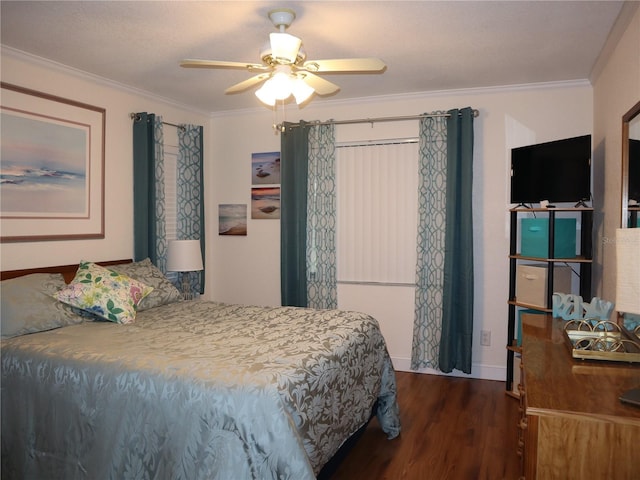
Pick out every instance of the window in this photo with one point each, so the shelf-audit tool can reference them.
(170, 188)
(377, 206)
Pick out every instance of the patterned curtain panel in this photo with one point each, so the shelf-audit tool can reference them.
(432, 197)
(443, 322)
(148, 190)
(190, 194)
(321, 218)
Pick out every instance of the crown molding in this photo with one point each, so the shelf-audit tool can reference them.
(413, 96)
(462, 92)
(67, 70)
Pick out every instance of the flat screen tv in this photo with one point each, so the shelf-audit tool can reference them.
(558, 171)
(634, 170)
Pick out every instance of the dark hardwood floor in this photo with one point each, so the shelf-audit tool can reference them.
(452, 428)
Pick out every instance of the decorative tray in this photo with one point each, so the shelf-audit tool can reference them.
(601, 340)
(633, 334)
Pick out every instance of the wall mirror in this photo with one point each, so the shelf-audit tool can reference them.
(626, 253)
(631, 167)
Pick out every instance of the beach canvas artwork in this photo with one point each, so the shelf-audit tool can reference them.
(265, 203)
(265, 168)
(44, 167)
(232, 219)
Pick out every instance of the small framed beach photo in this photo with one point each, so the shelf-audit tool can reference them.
(232, 219)
(265, 168)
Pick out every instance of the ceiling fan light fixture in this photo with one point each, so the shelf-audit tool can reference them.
(284, 69)
(284, 47)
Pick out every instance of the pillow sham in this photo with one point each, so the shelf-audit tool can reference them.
(27, 305)
(144, 271)
(104, 293)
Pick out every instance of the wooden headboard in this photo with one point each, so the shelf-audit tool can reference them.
(68, 271)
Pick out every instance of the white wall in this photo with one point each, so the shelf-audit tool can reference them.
(246, 269)
(119, 102)
(616, 89)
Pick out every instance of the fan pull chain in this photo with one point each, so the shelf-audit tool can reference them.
(275, 120)
(278, 127)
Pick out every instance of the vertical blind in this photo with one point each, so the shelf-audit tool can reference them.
(171, 187)
(377, 212)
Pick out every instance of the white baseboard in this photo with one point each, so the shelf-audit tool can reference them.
(484, 372)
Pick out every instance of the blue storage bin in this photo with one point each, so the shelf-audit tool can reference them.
(534, 237)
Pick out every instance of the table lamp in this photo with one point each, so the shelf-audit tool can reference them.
(184, 256)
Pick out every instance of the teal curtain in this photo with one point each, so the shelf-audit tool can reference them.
(293, 213)
(443, 320)
(432, 198)
(190, 194)
(321, 219)
(457, 320)
(148, 190)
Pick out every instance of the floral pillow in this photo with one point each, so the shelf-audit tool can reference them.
(104, 293)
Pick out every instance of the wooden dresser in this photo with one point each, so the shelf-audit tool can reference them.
(573, 426)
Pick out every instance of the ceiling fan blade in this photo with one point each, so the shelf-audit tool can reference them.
(195, 63)
(344, 65)
(250, 82)
(320, 85)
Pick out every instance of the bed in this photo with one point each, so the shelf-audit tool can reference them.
(187, 389)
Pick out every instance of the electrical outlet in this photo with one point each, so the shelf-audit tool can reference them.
(485, 338)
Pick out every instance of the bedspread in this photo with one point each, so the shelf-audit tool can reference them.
(193, 390)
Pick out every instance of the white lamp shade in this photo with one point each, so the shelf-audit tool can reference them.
(265, 96)
(628, 270)
(284, 47)
(301, 91)
(184, 256)
(278, 87)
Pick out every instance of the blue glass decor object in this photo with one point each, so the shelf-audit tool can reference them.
(598, 308)
(567, 306)
(631, 321)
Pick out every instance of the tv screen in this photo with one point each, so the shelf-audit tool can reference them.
(634, 170)
(558, 171)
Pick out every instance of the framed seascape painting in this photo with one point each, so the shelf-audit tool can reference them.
(52, 167)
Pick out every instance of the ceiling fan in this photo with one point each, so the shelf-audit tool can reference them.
(285, 69)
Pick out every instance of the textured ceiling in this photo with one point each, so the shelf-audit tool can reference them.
(427, 45)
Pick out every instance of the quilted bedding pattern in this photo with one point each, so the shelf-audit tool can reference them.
(193, 390)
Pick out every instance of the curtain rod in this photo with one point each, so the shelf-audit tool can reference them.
(280, 126)
(136, 117)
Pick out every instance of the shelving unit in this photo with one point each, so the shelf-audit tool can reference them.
(633, 216)
(583, 262)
